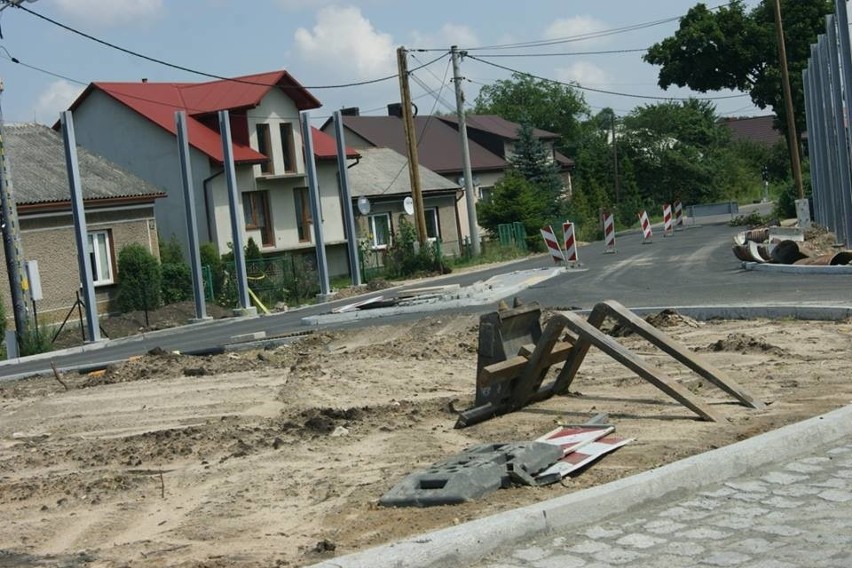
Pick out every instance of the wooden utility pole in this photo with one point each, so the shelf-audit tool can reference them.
(411, 143)
(792, 136)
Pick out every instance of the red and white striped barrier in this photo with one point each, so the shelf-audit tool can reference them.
(646, 228)
(609, 232)
(552, 244)
(678, 212)
(667, 220)
(570, 242)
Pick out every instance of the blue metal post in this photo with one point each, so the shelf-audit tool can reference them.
(348, 213)
(316, 206)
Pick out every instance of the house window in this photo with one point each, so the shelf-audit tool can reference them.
(303, 213)
(256, 215)
(380, 230)
(485, 194)
(288, 147)
(100, 257)
(433, 231)
(263, 146)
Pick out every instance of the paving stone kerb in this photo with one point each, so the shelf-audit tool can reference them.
(471, 542)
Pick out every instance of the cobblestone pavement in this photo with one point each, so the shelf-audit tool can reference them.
(791, 515)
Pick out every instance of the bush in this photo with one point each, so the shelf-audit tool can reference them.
(139, 279)
(210, 258)
(176, 282)
(404, 260)
(35, 340)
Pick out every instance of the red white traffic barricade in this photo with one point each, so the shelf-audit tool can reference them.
(678, 213)
(646, 228)
(667, 219)
(570, 242)
(552, 244)
(609, 232)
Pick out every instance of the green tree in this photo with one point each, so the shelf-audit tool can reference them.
(547, 105)
(139, 279)
(534, 162)
(514, 198)
(732, 48)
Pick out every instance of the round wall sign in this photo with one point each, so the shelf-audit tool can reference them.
(408, 205)
(363, 205)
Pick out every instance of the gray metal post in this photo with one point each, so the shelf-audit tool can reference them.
(12, 244)
(234, 210)
(818, 138)
(846, 65)
(470, 198)
(316, 206)
(189, 210)
(812, 159)
(840, 129)
(831, 139)
(80, 232)
(348, 214)
(825, 127)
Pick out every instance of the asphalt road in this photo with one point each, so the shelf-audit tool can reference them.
(693, 267)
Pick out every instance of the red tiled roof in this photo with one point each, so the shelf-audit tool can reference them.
(759, 129)
(158, 102)
(499, 126)
(325, 146)
(438, 146)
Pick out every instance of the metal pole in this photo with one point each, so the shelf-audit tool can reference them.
(615, 157)
(189, 210)
(829, 137)
(470, 198)
(234, 208)
(411, 143)
(816, 190)
(80, 232)
(316, 206)
(846, 65)
(792, 137)
(818, 139)
(348, 214)
(840, 129)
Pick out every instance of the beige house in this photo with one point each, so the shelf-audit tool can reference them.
(119, 211)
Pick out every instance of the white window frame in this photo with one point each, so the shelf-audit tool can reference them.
(433, 212)
(371, 220)
(100, 266)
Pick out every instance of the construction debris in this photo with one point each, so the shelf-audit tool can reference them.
(515, 354)
(790, 245)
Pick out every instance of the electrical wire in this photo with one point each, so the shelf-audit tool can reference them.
(566, 53)
(604, 91)
(39, 69)
(190, 69)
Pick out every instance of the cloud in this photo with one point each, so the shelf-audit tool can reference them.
(108, 13)
(449, 34)
(576, 27)
(584, 73)
(344, 40)
(297, 5)
(57, 97)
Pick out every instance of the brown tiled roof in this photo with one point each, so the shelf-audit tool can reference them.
(758, 129)
(438, 146)
(499, 126)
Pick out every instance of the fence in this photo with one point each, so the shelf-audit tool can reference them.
(512, 234)
(291, 278)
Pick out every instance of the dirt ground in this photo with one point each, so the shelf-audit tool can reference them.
(278, 457)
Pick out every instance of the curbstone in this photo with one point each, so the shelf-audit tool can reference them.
(471, 542)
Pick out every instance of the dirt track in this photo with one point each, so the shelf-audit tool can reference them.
(278, 458)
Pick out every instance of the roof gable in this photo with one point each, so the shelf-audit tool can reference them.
(39, 173)
(158, 103)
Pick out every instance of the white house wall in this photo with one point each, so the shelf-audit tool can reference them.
(110, 129)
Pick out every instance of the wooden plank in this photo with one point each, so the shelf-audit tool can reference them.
(679, 352)
(511, 368)
(593, 336)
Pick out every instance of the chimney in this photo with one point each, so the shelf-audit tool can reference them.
(395, 109)
(144, 79)
(350, 111)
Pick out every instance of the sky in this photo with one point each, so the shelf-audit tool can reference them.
(330, 43)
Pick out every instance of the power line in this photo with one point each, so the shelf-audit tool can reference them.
(190, 69)
(39, 69)
(603, 91)
(566, 53)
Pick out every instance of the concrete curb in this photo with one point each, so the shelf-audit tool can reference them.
(779, 311)
(470, 542)
(797, 268)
